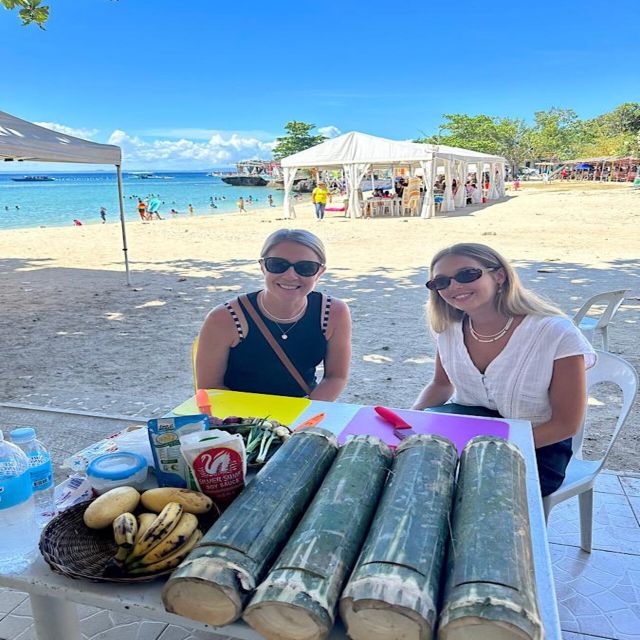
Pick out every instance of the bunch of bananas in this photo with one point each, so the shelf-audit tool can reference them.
(153, 543)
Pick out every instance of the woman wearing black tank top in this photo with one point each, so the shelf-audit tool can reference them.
(310, 327)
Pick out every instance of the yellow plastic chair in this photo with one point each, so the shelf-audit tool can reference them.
(194, 351)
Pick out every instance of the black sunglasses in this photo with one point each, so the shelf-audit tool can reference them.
(304, 268)
(464, 276)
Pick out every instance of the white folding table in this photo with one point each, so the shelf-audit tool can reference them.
(53, 597)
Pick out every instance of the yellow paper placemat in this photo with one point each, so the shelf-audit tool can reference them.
(257, 405)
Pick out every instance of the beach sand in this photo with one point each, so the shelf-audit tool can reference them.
(74, 336)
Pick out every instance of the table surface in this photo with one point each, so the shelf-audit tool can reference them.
(144, 600)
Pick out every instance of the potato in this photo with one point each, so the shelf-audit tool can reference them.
(107, 507)
(191, 501)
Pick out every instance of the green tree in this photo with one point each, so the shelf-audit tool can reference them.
(507, 137)
(613, 134)
(29, 11)
(557, 134)
(298, 138)
(623, 119)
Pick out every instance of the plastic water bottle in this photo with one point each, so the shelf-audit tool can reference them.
(19, 533)
(41, 473)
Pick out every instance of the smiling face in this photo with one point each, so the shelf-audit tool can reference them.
(472, 297)
(289, 286)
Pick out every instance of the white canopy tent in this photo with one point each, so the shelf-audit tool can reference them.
(356, 153)
(22, 140)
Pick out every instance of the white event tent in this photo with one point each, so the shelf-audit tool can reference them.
(356, 153)
(22, 140)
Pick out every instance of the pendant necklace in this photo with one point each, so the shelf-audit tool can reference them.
(275, 319)
(490, 338)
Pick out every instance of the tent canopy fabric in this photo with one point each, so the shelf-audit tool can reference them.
(22, 140)
(356, 153)
(357, 148)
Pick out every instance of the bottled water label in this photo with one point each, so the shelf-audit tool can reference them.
(8, 467)
(41, 471)
(14, 491)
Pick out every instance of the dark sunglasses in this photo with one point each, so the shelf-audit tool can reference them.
(464, 276)
(304, 268)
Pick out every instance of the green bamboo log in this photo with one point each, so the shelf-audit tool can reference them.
(216, 579)
(490, 589)
(297, 600)
(393, 591)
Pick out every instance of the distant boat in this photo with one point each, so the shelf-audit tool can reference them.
(141, 176)
(250, 173)
(34, 179)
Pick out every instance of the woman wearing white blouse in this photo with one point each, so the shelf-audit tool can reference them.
(502, 351)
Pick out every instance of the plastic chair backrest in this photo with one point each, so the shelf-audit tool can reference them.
(610, 368)
(613, 300)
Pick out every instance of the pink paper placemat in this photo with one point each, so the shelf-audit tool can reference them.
(459, 429)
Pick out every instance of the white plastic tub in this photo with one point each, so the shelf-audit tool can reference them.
(120, 469)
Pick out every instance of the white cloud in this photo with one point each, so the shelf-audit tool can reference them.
(192, 133)
(187, 154)
(69, 131)
(329, 131)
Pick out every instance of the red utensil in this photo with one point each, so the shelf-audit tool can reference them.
(311, 422)
(401, 428)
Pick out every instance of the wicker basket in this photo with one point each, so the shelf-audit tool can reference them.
(73, 550)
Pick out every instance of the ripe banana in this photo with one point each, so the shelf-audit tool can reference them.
(192, 501)
(157, 531)
(171, 561)
(125, 528)
(173, 541)
(144, 522)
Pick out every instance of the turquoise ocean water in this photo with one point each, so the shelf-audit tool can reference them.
(80, 195)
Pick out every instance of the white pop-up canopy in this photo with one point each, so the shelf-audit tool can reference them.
(22, 140)
(356, 153)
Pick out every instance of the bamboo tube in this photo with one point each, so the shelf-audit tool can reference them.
(219, 575)
(297, 601)
(393, 591)
(490, 590)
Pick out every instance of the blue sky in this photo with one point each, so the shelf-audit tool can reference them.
(201, 84)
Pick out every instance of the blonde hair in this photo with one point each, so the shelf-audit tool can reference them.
(301, 236)
(512, 299)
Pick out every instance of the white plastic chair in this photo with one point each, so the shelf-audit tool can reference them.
(581, 474)
(589, 325)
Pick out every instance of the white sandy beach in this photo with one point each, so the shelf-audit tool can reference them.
(76, 336)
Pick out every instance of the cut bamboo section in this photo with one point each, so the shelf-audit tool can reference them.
(214, 582)
(298, 599)
(393, 591)
(490, 590)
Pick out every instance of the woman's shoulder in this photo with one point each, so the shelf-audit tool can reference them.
(227, 313)
(557, 324)
(449, 335)
(336, 308)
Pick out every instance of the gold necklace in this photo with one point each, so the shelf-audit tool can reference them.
(491, 338)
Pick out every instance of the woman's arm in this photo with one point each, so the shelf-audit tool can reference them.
(437, 392)
(338, 358)
(568, 398)
(217, 335)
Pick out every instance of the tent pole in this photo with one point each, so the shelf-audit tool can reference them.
(122, 224)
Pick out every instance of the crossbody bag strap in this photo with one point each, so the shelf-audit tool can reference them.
(279, 351)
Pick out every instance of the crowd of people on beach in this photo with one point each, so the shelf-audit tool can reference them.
(242, 202)
(148, 207)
